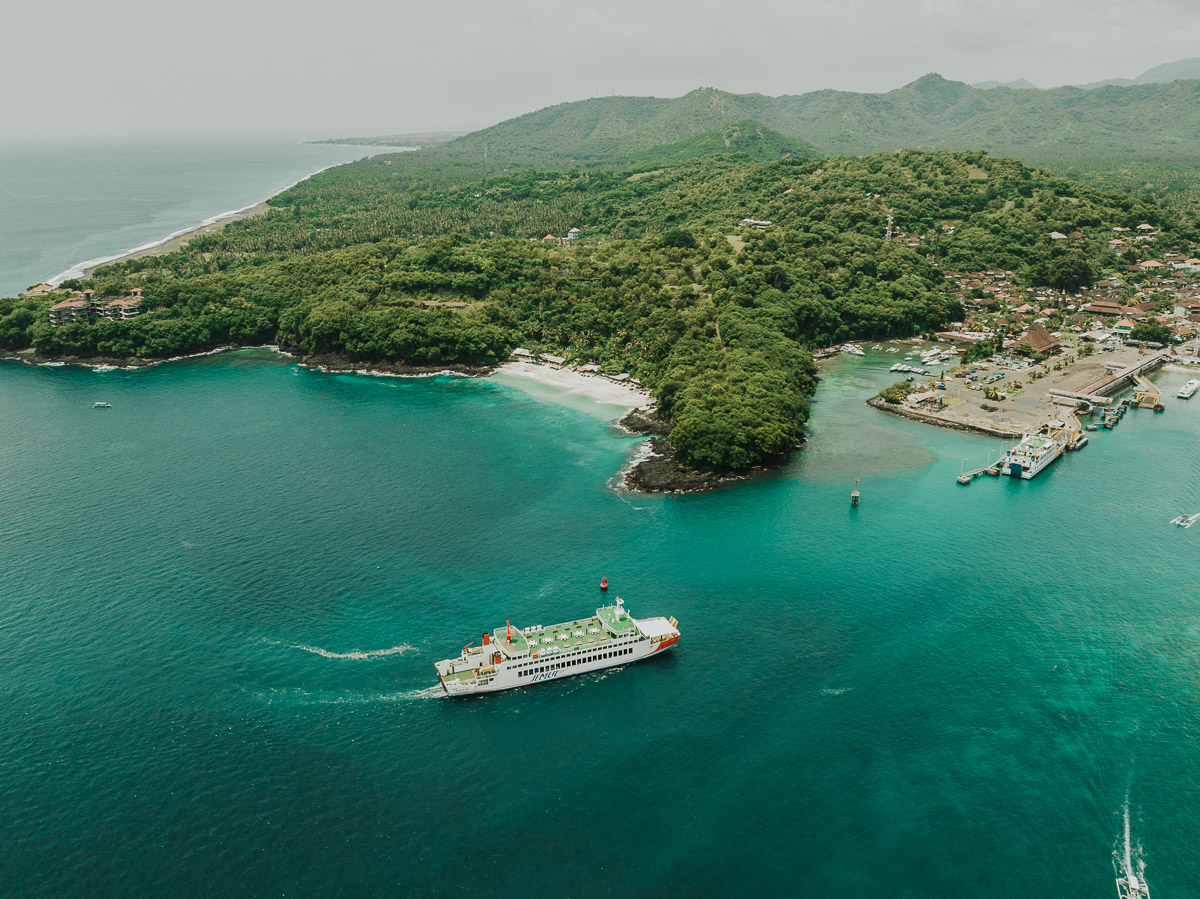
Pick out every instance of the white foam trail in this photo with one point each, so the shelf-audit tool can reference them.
(1129, 859)
(305, 698)
(355, 653)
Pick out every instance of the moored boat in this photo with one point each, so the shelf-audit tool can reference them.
(1036, 451)
(1186, 391)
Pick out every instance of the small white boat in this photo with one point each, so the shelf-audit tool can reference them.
(877, 346)
(101, 405)
(1186, 521)
(1132, 888)
(852, 350)
(892, 349)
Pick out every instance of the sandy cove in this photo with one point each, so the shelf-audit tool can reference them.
(598, 389)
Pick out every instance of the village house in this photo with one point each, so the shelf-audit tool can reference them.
(1189, 309)
(88, 307)
(76, 309)
(1041, 340)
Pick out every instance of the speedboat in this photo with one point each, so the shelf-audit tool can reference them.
(101, 405)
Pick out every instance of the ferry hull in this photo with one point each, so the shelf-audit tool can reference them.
(517, 658)
(499, 685)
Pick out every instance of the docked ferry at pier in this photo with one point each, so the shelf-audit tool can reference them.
(1186, 391)
(513, 657)
(1036, 451)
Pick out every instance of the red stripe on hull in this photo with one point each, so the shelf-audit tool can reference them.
(666, 644)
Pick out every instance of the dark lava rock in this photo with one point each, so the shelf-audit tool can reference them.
(664, 473)
(646, 421)
(336, 362)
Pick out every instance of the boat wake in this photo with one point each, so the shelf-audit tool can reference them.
(301, 697)
(1129, 865)
(354, 653)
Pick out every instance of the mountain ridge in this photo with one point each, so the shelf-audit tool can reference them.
(1153, 120)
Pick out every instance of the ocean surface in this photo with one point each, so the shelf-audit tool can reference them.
(220, 601)
(75, 201)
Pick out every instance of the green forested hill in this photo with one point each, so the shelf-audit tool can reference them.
(389, 261)
(1135, 122)
(611, 130)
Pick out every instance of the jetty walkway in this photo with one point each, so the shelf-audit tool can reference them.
(1114, 381)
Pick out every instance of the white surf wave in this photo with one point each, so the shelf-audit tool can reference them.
(644, 451)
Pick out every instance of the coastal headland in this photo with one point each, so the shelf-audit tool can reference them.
(393, 265)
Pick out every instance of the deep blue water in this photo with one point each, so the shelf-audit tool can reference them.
(220, 601)
(77, 200)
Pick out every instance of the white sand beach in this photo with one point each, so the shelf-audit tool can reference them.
(591, 393)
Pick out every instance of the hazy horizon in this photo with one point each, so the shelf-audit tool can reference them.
(133, 69)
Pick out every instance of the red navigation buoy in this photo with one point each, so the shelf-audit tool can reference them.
(604, 582)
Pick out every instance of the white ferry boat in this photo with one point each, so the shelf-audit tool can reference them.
(1186, 391)
(1035, 451)
(512, 657)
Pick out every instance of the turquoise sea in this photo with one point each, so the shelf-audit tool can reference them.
(80, 200)
(220, 601)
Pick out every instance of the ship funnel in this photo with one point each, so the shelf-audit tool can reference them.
(486, 640)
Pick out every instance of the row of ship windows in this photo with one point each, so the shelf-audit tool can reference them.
(569, 662)
(576, 652)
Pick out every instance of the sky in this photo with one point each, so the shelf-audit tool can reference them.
(315, 68)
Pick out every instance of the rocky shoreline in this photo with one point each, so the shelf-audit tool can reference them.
(663, 472)
(331, 362)
(334, 362)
